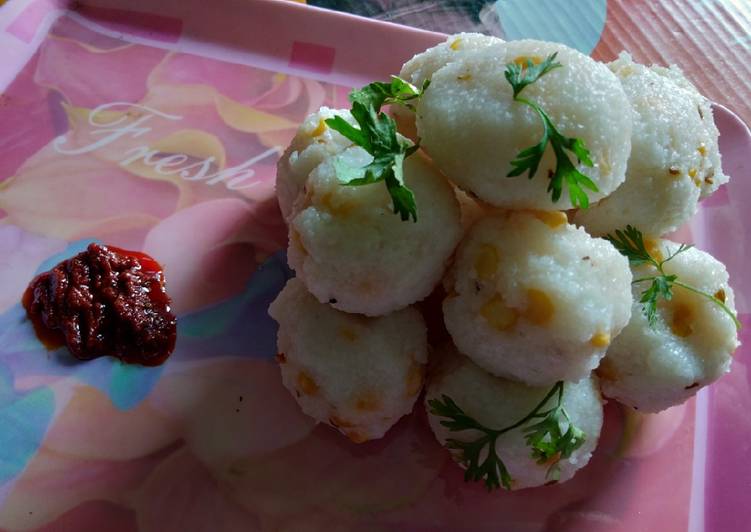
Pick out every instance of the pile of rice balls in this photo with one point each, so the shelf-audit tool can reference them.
(535, 187)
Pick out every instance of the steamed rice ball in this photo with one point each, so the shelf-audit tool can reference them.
(709, 170)
(690, 345)
(353, 252)
(497, 403)
(674, 154)
(535, 299)
(356, 374)
(472, 128)
(422, 66)
(313, 143)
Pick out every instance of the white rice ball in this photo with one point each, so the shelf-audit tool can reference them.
(313, 143)
(674, 154)
(497, 403)
(422, 66)
(535, 299)
(691, 344)
(472, 128)
(356, 374)
(353, 252)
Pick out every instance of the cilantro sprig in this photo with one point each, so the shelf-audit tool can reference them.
(397, 91)
(528, 160)
(630, 244)
(548, 441)
(377, 135)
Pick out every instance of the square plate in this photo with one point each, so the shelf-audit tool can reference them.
(157, 129)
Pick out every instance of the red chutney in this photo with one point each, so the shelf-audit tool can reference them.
(104, 302)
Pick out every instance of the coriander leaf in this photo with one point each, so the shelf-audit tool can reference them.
(529, 158)
(566, 174)
(376, 135)
(546, 439)
(347, 130)
(378, 94)
(402, 197)
(548, 442)
(661, 287)
(519, 76)
(457, 419)
(580, 150)
(630, 243)
(491, 470)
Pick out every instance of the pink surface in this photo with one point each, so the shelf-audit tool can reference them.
(728, 467)
(313, 57)
(136, 23)
(168, 145)
(26, 24)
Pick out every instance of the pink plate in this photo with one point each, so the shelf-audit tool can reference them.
(157, 129)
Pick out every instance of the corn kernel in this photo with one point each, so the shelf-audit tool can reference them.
(498, 315)
(320, 128)
(682, 324)
(674, 171)
(455, 45)
(653, 248)
(368, 402)
(486, 262)
(522, 60)
(702, 149)
(626, 71)
(540, 308)
(600, 339)
(720, 294)
(415, 377)
(552, 219)
(306, 384)
(339, 422)
(295, 240)
(335, 204)
(464, 77)
(692, 173)
(356, 437)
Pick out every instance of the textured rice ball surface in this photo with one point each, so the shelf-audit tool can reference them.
(352, 251)
(356, 374)
(472, 128)
(498, 403)
(691, 344)
(313, 143)
(422, 66)
(674, 154)
(535, 299)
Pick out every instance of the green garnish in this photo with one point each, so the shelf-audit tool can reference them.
(377, 136)
(528, 160)
(548, 442)
(630, 244)
(378, 93)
